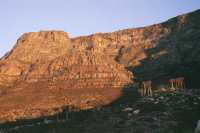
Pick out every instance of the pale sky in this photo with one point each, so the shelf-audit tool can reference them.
(83, 17)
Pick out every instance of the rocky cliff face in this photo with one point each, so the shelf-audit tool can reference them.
(32, 49)
(51, 55)
(157, 48)
(47, 71)
(162, 50)
(50, 61)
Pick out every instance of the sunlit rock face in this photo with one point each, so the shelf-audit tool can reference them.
(38, 46)
(150, 50)
(52, 55)
(48, 70)
(45, 72)
(31, 49)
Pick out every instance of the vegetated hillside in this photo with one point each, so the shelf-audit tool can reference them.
(47, 70)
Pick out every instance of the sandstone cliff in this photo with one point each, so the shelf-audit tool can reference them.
(50, 55)
(48, 64)
(161, 50)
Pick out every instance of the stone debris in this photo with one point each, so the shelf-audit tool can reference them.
(128, 109)
(197, 129)
(136, 111)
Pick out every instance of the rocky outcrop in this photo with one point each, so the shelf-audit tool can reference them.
(159, 48)
(162, 50)
(49, 62)
(51, 55)
(46, 70)
(32, 49)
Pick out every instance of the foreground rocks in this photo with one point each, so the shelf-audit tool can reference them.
(162, 113)
(197, 127)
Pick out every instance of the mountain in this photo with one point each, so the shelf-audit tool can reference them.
(51, 55)
(48, 70)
